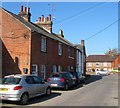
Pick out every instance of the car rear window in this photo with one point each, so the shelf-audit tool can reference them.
(11, 80)
(55, 75)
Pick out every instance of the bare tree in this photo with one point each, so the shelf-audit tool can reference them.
(112, 52)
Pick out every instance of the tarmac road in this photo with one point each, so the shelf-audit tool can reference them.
(98, 91)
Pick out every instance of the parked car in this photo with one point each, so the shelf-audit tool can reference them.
(22, 87)
(102, 72)
(61, 80)
(79, 76)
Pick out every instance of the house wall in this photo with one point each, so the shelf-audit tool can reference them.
(21, 49)
(16, 39)
(116, 63)
(51, 57)
(102, 65)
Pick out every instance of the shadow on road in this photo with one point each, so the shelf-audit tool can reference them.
(93, 78)
(43, 98)
(33, 100)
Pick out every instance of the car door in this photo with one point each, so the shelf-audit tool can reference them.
(31, 87)
(70, 80)
(40, 85)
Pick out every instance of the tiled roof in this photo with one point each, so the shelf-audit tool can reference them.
(100, 58)
(40, 30)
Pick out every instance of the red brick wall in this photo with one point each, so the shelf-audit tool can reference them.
(116, 62)
(16, 44)
(50, 57)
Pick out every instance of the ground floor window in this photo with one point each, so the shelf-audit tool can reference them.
(54, 68)
(35, 69)
(68, 68)
(59, 68)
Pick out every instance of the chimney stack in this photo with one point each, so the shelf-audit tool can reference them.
(82, 43)
(25, 14)
(61, 33)
(46, 23)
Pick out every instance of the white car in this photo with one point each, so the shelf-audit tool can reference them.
(102, 72)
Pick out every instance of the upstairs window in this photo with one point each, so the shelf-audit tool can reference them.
(60, 48)
(43, 44)
(105, 64)
(97, 63)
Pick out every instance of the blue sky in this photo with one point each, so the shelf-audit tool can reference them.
(79, 21)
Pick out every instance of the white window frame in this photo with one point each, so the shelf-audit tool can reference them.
(43, 44)
(43, 71)
(89, 64)
(36, 69)
(59, 48)
(97, 64)
(59, 68)
(105, 64)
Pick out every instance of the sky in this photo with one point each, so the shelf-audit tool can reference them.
(94, 22)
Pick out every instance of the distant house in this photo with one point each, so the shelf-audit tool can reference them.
(116, 64)
(102, 62)
(32, 48)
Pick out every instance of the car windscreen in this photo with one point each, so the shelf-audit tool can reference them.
(10, 80)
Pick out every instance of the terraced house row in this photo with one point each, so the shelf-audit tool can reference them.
(103, 62)
(32, 48)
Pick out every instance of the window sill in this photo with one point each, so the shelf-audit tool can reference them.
(71, 57)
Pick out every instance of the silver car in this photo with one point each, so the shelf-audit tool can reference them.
(22, 87)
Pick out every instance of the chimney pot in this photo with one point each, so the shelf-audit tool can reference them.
(39, 19)
(28, 9)
(61, 33)
(49, 17)
(25, 9)
(21, 8)
(42, 18)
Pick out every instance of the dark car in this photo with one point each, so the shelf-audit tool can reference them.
(79, 76)
(61, 80)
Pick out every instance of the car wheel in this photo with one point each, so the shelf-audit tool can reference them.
(66, 87)
(48, 91)
(24, 99)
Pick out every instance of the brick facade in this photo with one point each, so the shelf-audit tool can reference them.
(16, 45)
(102, 62)
(21, 47)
